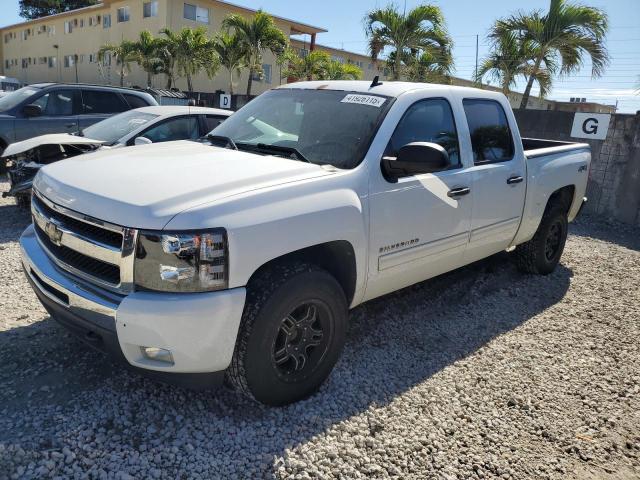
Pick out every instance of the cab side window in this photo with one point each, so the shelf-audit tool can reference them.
(57, 103)
(98, 101)
(427, 121)
(491, 138)
(181, 128)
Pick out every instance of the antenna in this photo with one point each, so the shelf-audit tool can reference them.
(375, 82)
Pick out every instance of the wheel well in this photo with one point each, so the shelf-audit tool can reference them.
(338, 258)
(562, 197)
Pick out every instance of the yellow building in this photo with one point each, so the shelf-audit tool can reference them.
(45, 50)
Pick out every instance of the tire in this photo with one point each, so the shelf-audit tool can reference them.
(278, 324)
(23, 201)
(542, 253)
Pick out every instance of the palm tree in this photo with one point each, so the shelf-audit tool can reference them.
(232, 53)
(257, 34)
(511, 58)
(191, 51)
(148, 53)
(310, 67)
(336, 70)
(124, 54)
(421, 30)
(167, 60)
(566, 33)
(426, 66)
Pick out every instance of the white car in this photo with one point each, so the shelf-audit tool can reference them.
(192, 262)
(134, 127)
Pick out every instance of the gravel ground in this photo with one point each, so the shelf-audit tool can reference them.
(481, 373)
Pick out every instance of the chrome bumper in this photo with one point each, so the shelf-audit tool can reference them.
(83, 300)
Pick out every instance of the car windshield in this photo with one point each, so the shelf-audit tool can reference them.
(323, 126)
(12, 99)
(114, 128)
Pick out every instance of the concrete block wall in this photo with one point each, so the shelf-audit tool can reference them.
(614, 185)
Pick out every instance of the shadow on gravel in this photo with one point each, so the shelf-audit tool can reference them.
(394, 343)
(593, 227)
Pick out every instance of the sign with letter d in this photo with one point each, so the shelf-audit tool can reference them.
(225, 100)
(593, 126)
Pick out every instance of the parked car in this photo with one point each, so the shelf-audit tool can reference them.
(62, 108)
(243, 261)
(133, 127)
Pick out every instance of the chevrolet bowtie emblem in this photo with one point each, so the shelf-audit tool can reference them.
(53, 232)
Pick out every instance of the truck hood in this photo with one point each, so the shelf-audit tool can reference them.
(51, 139)
(146, 186)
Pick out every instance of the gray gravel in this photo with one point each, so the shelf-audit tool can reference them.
(481, 373)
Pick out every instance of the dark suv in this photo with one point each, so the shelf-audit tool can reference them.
(62, 108)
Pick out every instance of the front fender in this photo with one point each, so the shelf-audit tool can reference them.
(265, 226)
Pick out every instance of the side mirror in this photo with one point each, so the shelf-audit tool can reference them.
(415, 158)
(142, 141)
(32, 110)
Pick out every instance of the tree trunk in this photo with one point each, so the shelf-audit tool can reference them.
(149, 79)
(122, 77)
(249, 81)
(231, 81)
(397, 64)
(169, 82)
(527, 91)
(189, 83)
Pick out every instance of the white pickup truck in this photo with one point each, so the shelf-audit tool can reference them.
(240, 258)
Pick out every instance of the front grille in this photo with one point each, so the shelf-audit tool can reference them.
(92, 232)
(85, 264)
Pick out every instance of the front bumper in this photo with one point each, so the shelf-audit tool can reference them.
(199, 329)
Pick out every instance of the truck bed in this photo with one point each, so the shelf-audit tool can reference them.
(538, 147)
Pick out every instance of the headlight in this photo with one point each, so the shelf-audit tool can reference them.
(182, 261)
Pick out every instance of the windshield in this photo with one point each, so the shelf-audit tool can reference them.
(325, 126)
(12, 99)
(114, 128)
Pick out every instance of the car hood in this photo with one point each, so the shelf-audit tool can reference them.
(51, 139)
(146, 186)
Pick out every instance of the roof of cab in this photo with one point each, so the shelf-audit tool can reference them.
(171, 110)
(388, 88)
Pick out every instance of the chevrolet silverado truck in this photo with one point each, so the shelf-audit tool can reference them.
(239, 258)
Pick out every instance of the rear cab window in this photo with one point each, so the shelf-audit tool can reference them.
(135, 101)
(491, 138)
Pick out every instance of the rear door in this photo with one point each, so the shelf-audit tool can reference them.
(499, 177)
(60, 108)
(100, 104)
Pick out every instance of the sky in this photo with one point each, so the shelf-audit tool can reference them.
(465, 19)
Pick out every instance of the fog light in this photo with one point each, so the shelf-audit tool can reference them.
(157, 354)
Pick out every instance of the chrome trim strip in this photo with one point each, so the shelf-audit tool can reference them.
(423, 250)
(76, 215)
(75, 241)
(503, 226)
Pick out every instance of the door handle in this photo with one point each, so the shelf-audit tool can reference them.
(458, 192)
(70, 125)
(514, 179)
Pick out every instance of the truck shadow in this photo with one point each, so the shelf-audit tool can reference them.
(395, 343)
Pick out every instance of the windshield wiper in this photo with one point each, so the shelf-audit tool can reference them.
(228, 141)
(282, 149)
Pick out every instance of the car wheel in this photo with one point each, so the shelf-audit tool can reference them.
(542, 253)
(291, 335)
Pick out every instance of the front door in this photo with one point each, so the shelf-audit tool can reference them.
(419, 226)
(59, 115)
(499, 179)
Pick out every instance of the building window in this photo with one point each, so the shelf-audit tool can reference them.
(123, 14)
(53, 61)
(106, 20)
(25, 63)
(93, 58)
(266, 70)
(150, 9)
(6, 65)
(42, 60)
(68, 61)
(197, 14)
(106, 60)
(68, 26)
(51, 30)
(81, 22)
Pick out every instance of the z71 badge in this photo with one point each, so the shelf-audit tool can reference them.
(395, 246)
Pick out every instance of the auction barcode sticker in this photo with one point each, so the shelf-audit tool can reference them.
(364, 100)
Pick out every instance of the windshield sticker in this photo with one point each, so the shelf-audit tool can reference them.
(364, 100)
